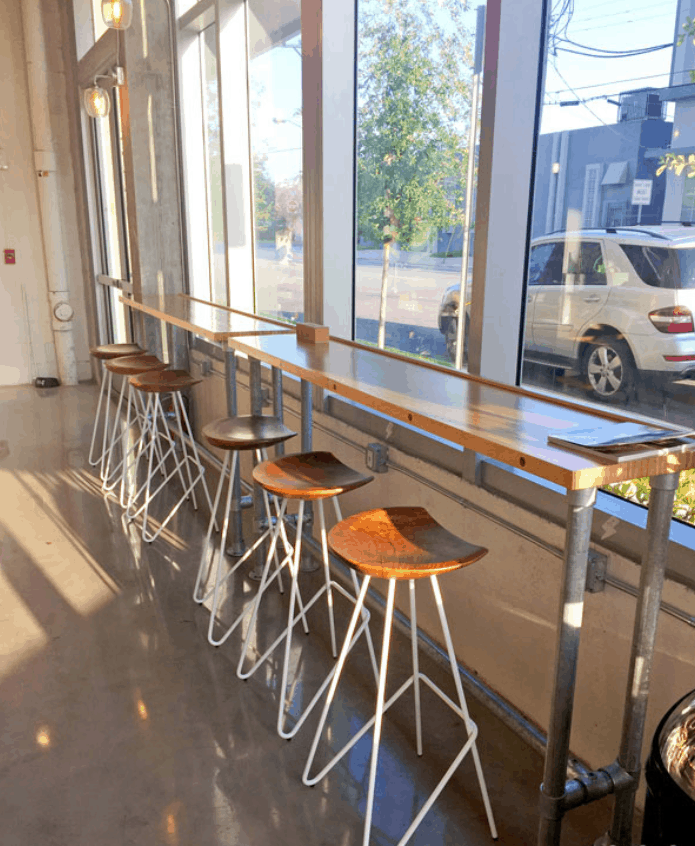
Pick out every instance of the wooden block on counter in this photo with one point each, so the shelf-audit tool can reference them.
(312, 333)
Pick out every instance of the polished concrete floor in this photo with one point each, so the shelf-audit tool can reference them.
(120, 725)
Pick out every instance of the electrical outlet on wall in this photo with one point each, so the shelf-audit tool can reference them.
(377, 457)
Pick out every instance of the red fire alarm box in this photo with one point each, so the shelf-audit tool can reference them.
(9, 257)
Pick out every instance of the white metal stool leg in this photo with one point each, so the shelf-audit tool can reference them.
(416, 666)
(349, 638)
(142, 448)
(470, 725)
(138, 445)
(266, 580)
(382, 706)
(365, 613)
(292, 560)
(327, 576)
(183, 416)
(104, 392)
(206, 561)
(272, 532)
(147, 488)
(113, 472)
(106, 464)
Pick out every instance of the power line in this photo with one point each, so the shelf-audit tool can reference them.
(602, 5)
(616, 23)
(629, 9)
(600, 52)
(611, 82)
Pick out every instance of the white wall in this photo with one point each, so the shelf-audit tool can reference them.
(26, 336)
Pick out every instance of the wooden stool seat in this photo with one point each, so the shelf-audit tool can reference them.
(108, 351)
(163, 381)
(132, 364)
(308, 476)
(400, 543)
(250, 431)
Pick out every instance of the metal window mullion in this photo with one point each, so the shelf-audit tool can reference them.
(206, 165)
(312, 157)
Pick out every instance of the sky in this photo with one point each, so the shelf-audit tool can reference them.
(616, 25)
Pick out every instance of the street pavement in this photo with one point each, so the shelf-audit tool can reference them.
(416, 286)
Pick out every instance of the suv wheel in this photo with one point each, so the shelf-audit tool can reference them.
(450, 338)
(608, 368)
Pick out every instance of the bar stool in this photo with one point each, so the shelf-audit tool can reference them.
(309, 476)
(104, 353)
(126, 367)
(401, 544)
(234, 435)
(156, 383)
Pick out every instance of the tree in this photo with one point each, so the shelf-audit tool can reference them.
(263, 194)
(413, 74)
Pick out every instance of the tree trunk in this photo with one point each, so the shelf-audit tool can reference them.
(382, 306)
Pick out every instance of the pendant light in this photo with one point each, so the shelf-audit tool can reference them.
(117, 14)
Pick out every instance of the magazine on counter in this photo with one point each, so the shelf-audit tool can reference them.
(624, 441)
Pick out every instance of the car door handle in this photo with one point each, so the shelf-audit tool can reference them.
(593, 299)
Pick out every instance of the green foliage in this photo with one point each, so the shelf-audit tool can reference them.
(276, 206)
(264, 193)
(412, 104)
(678, 164)
(638, 490)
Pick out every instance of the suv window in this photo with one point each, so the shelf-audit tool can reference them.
(545, 264)
(662, 267)
(586, 261)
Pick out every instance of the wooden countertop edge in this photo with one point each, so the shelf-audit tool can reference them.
(201, 330)
(286, 328)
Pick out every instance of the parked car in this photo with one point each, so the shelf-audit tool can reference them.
(610, 303)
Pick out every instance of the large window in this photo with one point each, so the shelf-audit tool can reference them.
(415, 156)
(203, 162)
(110, 212)
(610, 304)
(599, 327)
(275, 91)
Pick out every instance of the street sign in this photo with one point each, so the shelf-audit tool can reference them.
(642, 192)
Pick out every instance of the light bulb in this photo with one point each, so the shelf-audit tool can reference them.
(117, 14)
(97, 102)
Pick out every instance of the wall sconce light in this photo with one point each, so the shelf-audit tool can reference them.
(117, 14)
(3, 160)
(97, 102)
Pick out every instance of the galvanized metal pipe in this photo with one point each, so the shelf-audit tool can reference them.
(256, 390)
(278, 405)
(307, 391)
(308, 565)
(579, 514)
(644, 634)
(237, 547)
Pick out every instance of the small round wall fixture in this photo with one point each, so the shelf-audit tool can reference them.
(117, 14)
(97, 102)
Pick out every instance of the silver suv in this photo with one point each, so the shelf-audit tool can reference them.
(609, 303)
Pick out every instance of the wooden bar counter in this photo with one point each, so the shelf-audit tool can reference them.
(508, 424)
